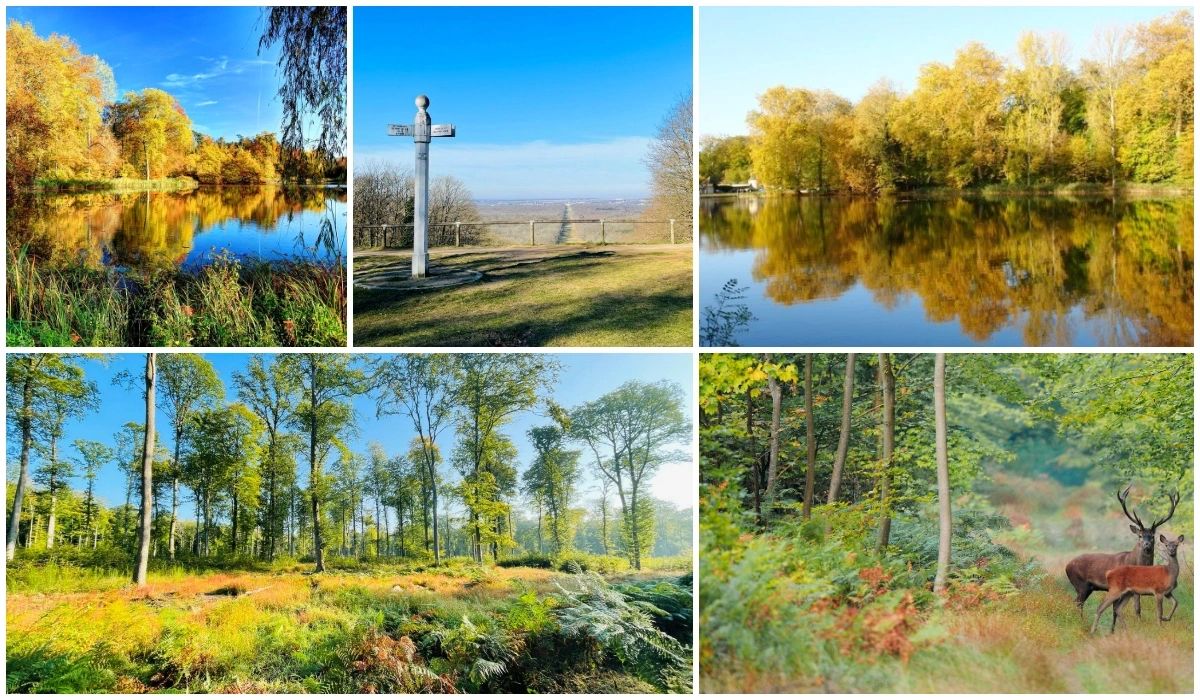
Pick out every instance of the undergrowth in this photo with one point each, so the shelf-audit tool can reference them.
(380, 627)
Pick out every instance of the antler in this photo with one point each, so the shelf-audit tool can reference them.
(1121, 496)
(1174, 498)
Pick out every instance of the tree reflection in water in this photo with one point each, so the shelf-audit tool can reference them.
(153, 229)
(987, 264)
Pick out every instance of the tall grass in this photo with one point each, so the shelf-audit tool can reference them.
(225, 304)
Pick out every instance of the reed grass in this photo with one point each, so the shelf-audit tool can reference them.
(228, 303)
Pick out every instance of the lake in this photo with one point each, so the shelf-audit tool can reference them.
(183, 229)
(1022, 271)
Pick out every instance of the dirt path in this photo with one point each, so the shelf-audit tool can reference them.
(566, 232)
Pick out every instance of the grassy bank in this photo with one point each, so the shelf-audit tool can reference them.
(388, 628)
(1128, 190)
(549, 296)
(120, 184)
(226, 304)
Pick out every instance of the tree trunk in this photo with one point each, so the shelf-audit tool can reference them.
(943, 472)
(143, 560)
(755, 476)
(888, 429)
(773, 461)
(314, 479)
(839, 460)
(810, 438)
(174, 493)
(26, 421)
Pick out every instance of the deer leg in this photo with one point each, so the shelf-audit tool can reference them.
(1159, 600)
(1082, 592)
(1137, 605)
(1108, 600)
(1174, 605)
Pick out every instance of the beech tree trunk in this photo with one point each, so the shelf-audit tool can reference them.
(888, 429)
(143, 560)
(810, 437)
(839, 461)
(943, 472)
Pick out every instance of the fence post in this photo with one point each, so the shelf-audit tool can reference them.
(601, 231)
(457, 226)
(672, 231)
(532, 240)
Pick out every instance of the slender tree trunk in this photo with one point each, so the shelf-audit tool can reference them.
(26, 421)
(437, 550)
(773, 464)
(943, 472)
(888, 429)
(143, 560)
(51, 520)
(810, 437)
(756, 475)
(839, 460)
(174, 492)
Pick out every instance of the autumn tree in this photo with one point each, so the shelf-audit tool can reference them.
(154, 133)
(55, 99)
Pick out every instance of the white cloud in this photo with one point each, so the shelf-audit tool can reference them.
(217, 68)
(206, 103)
(611, 168)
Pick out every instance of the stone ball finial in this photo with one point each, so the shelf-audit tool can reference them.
(422, 102)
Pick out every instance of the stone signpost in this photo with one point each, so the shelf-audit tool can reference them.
(421, 131)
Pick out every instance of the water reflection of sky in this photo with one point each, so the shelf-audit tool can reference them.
(852, 318)
(293, 235)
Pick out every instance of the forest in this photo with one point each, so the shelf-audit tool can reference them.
(904, 522)
(67, 128)
(236, 535)
(1124, 114)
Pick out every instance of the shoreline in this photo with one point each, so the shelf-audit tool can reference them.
(1131, 190)
(171, 184)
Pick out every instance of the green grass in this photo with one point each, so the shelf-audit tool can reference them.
(225, 304)
(374, 627)
(561, 296)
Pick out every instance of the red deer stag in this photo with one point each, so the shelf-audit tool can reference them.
(1086, 571)
(1125, 582)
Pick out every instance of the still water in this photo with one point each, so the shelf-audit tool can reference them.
(1031, 271)
(183, 229)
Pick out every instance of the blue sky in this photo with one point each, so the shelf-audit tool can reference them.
(207, 57)
(548, 102)
(745, 51)
(584, 377)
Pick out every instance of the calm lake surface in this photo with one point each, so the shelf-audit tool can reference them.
(185, 229)
(799, 271)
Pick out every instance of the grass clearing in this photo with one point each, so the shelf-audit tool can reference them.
(560, 296)
(372, 628)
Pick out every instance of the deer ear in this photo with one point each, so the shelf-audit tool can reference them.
(1134, 529)
(1181, 538)
(1162, 538)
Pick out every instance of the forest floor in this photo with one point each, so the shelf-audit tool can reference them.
(385, 628)
(1033, 640)
(576, 295)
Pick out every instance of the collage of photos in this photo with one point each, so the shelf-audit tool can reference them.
(367, 348)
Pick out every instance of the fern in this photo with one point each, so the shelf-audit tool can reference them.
(624, 628)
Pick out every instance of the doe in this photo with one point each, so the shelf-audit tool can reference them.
(1125, 582)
